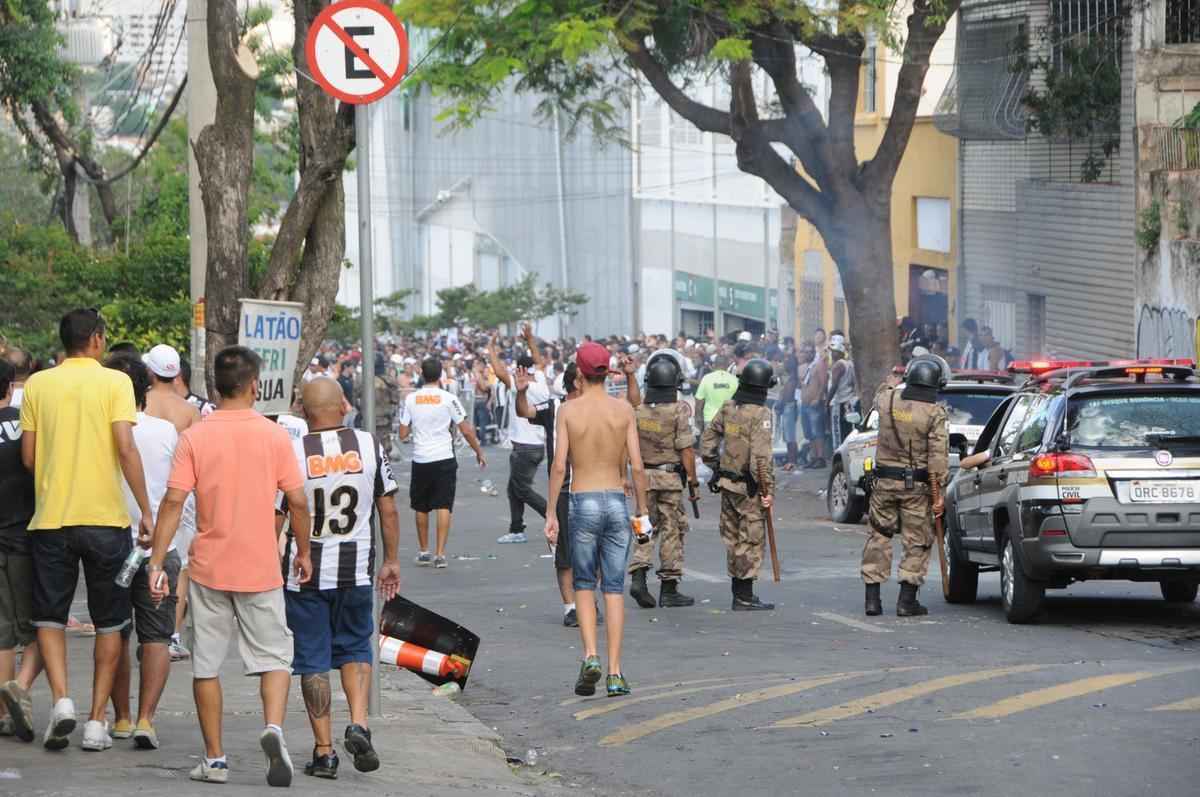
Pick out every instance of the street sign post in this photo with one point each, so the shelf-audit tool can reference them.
(358, 51)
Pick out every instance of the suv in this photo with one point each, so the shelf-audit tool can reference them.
(1094, 474)
(969, 396)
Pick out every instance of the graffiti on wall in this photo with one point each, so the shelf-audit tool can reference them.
(1165, 332)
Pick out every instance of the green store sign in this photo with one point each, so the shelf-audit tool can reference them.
(694, 289)
(747, 300)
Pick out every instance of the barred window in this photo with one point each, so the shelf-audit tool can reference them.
(1183, 22)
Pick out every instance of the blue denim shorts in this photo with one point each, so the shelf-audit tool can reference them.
(600, 540)
(813, 418)
(787, 419)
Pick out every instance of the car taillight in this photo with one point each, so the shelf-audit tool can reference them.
(1060, 464)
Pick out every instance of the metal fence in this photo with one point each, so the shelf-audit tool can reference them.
(1175, 148)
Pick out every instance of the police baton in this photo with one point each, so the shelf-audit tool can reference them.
(695, 499)
(939, 530)
(762, 480)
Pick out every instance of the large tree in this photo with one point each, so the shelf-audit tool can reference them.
(310, 245)
(583, 55)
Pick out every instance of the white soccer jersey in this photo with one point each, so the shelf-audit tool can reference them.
(345, 471)
(430, 412)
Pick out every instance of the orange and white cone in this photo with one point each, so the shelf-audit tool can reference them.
(419, 659)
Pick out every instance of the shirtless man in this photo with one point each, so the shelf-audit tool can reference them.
(163, 401)
(598, 435)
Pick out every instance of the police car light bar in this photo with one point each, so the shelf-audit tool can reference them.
(1039, 367)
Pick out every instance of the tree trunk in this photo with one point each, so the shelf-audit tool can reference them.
(860, 241)
(320, 270)
(224, 157)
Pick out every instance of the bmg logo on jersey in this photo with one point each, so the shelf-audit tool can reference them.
(319, 465)
(428, 398)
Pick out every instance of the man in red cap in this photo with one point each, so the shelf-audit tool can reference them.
(598, 435)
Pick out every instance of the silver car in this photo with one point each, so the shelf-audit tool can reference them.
(969, 397)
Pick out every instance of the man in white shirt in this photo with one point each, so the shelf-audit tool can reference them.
(155, 439)
(528, 441)
(428, 415)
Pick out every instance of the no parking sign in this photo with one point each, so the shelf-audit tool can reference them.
(357, 50)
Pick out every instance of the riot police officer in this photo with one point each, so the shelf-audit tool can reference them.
(665, 435)
(911, 469)
(737, 446)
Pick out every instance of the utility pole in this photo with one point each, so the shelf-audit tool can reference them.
(202, 111)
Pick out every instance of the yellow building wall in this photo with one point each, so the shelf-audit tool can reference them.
(929, 169)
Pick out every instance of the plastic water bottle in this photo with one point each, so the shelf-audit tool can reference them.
(132, 564)
(486, 487)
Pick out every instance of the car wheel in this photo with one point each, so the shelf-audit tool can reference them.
(844, 506)
(1179, 591)
(962, 575)
(1021, 596)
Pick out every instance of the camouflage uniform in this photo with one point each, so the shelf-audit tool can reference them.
(386, 402)
(664, 430)
(920, 428)
(746, 432)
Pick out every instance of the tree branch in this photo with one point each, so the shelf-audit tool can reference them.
(707, 119)
(154, 134)
(922, 36)
(844, 66)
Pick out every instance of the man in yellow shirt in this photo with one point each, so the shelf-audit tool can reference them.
(77, 438)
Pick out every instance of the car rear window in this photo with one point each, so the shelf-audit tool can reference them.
(970, 409)
(1133, 421)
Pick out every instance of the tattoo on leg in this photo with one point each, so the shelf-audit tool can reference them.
(317, 697)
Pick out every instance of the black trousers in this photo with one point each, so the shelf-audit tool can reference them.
(523, 464)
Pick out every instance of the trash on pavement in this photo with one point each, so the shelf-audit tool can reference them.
(448, 651)
(450, 690)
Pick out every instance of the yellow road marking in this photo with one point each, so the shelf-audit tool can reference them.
(660, 723)
(616, 705)
(1191, 704)
(1055, 694)
(893, 696)
(675, 684)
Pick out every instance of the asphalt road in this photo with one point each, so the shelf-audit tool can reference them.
(1102, 696)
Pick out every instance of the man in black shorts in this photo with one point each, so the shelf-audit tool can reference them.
(16, 571)
(428, 415)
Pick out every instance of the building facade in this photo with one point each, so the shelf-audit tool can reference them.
(924, 204)
(711, 248)
(509, 196)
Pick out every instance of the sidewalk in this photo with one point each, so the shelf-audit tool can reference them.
(429, 745)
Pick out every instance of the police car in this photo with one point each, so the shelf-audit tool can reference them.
(1094, 473)
(969, 396)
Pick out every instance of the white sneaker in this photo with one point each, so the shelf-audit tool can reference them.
(62, 723)
(217, 773)
(512, 537)
(279, 763)
(95, 736)
(424, 559)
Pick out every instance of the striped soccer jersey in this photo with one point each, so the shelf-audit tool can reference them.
(345, 471)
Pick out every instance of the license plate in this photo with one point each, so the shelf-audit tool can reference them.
(1172, 491)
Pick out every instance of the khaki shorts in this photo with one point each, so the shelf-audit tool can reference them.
(16, 600)
(259, 619)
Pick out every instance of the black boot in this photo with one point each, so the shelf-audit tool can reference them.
(638, 590)
(744, 599)
(670, 595)
(874, 604)
(906, 605)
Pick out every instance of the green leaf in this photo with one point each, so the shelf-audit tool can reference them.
(732, 49)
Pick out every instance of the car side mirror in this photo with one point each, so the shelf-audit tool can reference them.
(854, 419)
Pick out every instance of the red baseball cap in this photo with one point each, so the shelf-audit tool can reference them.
(592, 359)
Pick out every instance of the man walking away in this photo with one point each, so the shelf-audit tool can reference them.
(737, 446)
(235, 462)
(528, 444)
(77, 437)
(715, 389)
(598, 435)
(155, 621)
(428, 414)
(16, 572)
(666, 441)
(164, 401)
(911, 468)
(346, 475)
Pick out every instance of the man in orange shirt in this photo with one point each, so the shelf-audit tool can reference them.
(235, 462)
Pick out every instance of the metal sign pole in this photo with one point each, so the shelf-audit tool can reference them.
(362, 147)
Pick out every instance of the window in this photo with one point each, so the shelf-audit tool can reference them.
(1007, 442)
(933, 224)
(1183, 21)
(1031, 435)
(870, 79)
(872, 424)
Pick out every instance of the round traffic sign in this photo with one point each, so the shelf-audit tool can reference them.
(357, 50)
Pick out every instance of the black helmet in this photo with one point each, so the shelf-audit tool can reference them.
(662, 372)
(758, 373)
(927, 370)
